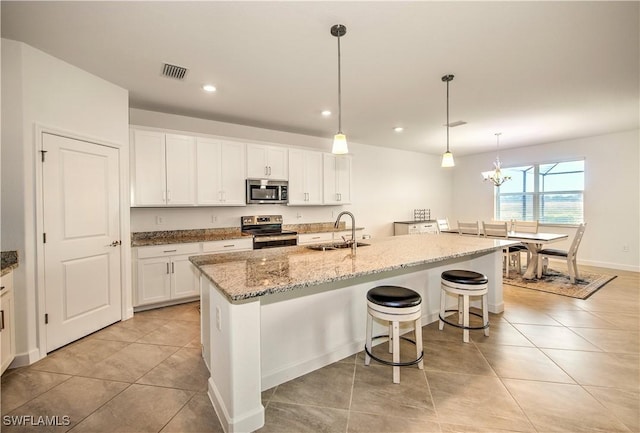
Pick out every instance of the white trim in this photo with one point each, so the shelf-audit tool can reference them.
(125, 232)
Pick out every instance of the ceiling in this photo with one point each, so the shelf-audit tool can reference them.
(536, 71)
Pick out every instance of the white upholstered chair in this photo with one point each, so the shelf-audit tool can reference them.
(569, 255)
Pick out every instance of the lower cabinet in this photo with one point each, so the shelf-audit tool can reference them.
(315, 238)
(7, 329)
(164, 273)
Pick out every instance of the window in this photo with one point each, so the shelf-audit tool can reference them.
(550, 193)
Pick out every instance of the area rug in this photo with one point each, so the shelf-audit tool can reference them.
(557, 282)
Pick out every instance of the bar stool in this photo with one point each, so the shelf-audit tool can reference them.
(464, 284)
(394, 304)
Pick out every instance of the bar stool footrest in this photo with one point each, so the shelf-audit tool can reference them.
(394, 364)
(457, 325)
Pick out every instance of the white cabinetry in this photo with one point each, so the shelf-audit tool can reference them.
(7, 328)
(337, 179)
(164, 273)
(163, 169)
(409, 228)
(315, 238)
(220, 172)
(305, 177)
(243, 244)
(266, 162)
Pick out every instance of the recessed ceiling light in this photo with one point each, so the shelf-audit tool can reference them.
(398, 129)
(326, 113)
(209, 88)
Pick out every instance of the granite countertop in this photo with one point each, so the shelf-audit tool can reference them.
(9, 261)
(141, 239)
(245, 275)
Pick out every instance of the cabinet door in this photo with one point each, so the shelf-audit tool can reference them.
(181, 170)
(148, 168)
(257, 161)
(7, 329)
(184, 278)
(297, 191)
(337, 179)
(209, 177)
(154, 283)
(277, 161)
(232, 159)
(267, 162)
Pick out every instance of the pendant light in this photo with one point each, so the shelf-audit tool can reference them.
(339, 140)
(495, 175)
(447, 157)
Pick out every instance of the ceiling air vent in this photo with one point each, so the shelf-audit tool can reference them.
(173, 71)
(456, 123)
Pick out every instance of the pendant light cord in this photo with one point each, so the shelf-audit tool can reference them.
(339, 90)
(448, 115)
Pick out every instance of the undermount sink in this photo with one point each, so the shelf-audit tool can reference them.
(334, 246)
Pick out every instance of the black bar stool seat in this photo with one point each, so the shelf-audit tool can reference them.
(463, 284)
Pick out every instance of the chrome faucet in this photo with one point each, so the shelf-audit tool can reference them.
(353, 242)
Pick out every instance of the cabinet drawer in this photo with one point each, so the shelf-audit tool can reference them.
(168, 250)
(243, 244)
(315, 238)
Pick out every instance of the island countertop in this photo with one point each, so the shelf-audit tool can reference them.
(244, 275)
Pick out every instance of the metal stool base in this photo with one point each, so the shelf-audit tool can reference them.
(394, 364)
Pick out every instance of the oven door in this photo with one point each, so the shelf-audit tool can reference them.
(272, 241)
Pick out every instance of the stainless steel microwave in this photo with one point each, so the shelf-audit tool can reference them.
(263, 191)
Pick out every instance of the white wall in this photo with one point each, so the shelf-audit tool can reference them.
(387, 184)
(40, 90)
(611, 199)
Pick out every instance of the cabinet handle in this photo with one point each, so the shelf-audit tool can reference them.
(228, 246)
(266, 170)
(1, 320)
(173, 269)
(164, 195)
(168, 195)
(167, 268)
(2, 288)
(169, 251)
(269, 171)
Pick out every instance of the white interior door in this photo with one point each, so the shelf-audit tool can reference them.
(81, 238)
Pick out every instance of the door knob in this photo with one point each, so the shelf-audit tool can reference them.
(115, 244)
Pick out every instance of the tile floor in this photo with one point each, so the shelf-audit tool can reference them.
(550, 364)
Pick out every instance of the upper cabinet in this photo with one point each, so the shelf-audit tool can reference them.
(337, 179)
(220, 172)
(305, 177)
(266, 162)
(163, 169)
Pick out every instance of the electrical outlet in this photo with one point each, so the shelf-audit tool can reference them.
(218, 319)
(625, 248)
(299, 215)
(214, 218)
(159, 220)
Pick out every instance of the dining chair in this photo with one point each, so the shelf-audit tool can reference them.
(525, 226)
(569, 254)
(468, 228)
(499, 230)
(443, 224)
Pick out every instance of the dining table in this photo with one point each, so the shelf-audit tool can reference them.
(534, 243)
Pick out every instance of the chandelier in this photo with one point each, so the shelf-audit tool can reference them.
(495, 175)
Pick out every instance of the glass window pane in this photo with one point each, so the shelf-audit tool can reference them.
(561, 208)
(521, 180)
(514, 206)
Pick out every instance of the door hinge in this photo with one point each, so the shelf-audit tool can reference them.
(44, 238)
(42, 152)
(46, 318)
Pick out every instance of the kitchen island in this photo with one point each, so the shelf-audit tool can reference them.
(270, 315)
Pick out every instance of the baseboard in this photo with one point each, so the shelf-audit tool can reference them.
(24, 359)
(247, 423)
(599, 264)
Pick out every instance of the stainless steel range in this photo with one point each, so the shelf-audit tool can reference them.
(267, 231)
